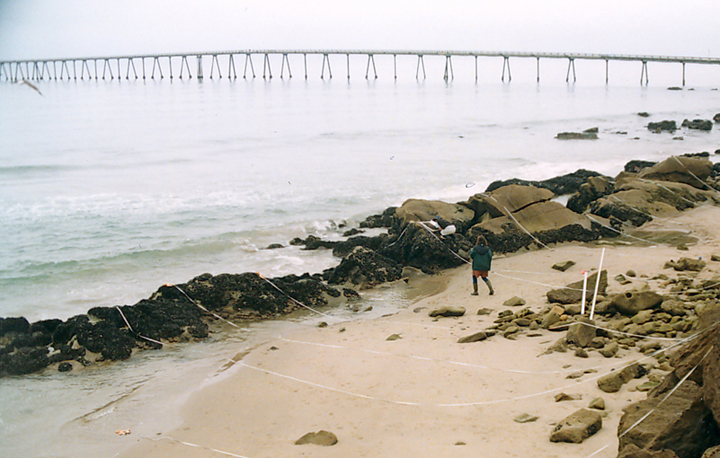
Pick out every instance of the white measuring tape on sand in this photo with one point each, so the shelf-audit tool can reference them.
(456, 363)
(190, 444)
(461, 404)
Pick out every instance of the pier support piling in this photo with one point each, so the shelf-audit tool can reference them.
(248, 59)
(232, 73)
(448, 68)
(285, 60)
(183, 65)
(571, 65)
(683, 66)
(326, 58)
(644, 72)
(199, 68)
(371, 58)
(215, 63)
(506, 63)
(420, 62)
(266, 66)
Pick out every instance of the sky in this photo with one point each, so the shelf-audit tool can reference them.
(37, 29)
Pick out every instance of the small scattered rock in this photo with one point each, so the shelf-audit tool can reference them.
(563, 266)
(610, 350)
(477, 337)
(612, 382)
(484, 311)
(597, 404)
(514, 302)
(561, 397)
(577, 427)
(525, 418)
(581, 353)
(394, 337)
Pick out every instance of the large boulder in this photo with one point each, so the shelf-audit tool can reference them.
(595, 188)
(539, 217)
(507, 199)
(682, 169)
(417, 247)
(698, 124)
(413, 210)
(680, 423)
(684, 415)
(660, 126)
(365, 268)
(572, 293)
(637, 201)
(631, 302)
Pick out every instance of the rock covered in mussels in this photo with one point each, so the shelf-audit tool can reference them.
(173, 313)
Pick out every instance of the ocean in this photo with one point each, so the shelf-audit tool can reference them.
(110, 189)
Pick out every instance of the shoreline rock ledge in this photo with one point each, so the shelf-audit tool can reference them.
(513, 215)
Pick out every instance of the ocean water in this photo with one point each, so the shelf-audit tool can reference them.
(109, 189)
(112, 188)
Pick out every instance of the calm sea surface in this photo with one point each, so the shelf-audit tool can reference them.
(109, 189)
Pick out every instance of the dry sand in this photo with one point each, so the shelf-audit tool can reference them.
(424, 394)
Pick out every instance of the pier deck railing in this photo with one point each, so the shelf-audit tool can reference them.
(178, 65)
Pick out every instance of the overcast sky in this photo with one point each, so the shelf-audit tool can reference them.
(34, 29)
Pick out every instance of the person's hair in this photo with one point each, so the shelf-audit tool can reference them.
(481, 240)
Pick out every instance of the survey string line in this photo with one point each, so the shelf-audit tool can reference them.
(203, 308)
(133, 331)
(456, 363)
(463, 404)
(190, 444)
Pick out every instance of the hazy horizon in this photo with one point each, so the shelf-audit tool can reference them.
(46, 29)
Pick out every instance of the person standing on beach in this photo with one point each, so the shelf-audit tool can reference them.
(481, 259)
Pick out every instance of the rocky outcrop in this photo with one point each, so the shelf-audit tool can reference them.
(365, 268)
(504, 200)
(173, 313)
(595, 188)
(685, 407)
(585, 135)
(662, 126)
(413, 210)
(560, 186)
(680, 169)
(698, 124)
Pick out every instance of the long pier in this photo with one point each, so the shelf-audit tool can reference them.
(181, 65)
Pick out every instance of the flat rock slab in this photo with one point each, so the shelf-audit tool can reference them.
(448, 311)
(321, 437)
(577, 427)
(477, 337)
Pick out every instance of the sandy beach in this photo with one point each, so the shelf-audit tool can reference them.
(402, 385)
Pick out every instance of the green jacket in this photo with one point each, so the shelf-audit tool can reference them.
(481, 257)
